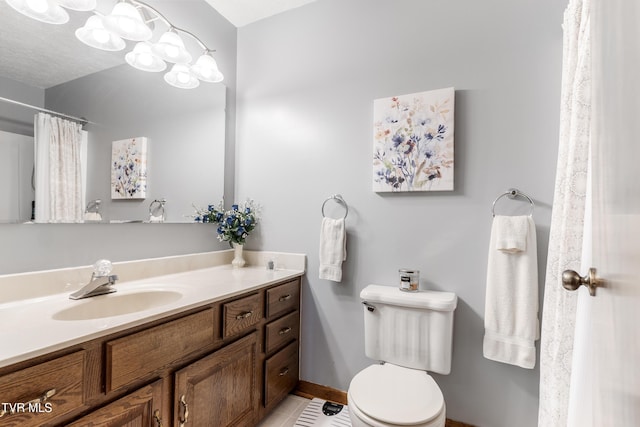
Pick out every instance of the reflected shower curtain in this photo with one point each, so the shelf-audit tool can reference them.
(59, 145)
(567, 219)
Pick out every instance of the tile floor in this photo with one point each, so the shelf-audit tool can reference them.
(286, 413)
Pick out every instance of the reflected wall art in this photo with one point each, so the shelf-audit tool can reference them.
(129, 168)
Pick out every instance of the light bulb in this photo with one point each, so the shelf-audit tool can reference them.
(142, 58)
(183, 77)
(95, 35)
(145, 59)
(206, 69)
(101, 35)
(40, 6)
(127, 25)
(172, 51)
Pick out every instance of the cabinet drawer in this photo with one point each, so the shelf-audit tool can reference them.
(241, 314)
(282, 331)
(281, 374)
(48, 390)
(283, 298)
(134, 356)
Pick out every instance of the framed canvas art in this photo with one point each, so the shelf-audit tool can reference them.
(413, 142)
(129, 169)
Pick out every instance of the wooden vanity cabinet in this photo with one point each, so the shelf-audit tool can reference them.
(221, 389)
(225, 364)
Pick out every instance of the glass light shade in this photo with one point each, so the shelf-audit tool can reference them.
(143, 58)
(171, 48)
(206, 69)
(95, 35)
(126, 21)
(180, 76)
(46, 11)
(79, 5)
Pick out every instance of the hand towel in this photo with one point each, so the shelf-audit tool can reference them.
(511, 305)
(511, 233)
(333, 248)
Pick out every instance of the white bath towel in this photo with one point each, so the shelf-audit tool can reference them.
(511, 305)
(333, 248)
(511, 233)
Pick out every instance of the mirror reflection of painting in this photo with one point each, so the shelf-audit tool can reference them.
(129, 169)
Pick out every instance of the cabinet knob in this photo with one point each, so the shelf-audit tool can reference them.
(284, 372)
(284, 298)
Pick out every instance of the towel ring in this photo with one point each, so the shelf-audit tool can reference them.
(338, 198)
(512, 193)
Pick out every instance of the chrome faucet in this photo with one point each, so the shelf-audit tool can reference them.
(101, 281)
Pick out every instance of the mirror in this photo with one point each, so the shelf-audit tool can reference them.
(185, 128)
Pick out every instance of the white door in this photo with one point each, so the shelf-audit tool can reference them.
(606, 376)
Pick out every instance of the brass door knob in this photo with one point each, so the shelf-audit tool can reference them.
(572, 281)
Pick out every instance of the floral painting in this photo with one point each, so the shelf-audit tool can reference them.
(129, 168)
(413, 142)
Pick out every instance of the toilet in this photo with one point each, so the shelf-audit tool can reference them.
(411, 334)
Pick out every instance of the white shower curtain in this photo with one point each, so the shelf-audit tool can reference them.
(59, 146)
(605, 386)
(567, 220)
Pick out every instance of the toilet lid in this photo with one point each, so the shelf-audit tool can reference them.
(396, 395)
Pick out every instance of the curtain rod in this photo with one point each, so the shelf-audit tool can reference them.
(44, 110)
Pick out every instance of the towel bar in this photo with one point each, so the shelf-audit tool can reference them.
(338, 198)
(512, 193)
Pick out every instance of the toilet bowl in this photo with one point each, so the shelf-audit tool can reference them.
(389, 395)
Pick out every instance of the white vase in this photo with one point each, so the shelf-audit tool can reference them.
(238, 260)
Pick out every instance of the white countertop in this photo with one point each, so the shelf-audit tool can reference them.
(28, 327)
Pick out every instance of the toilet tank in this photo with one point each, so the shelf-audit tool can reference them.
(410, 329)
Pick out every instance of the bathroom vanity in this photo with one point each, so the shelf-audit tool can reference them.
(223, 353)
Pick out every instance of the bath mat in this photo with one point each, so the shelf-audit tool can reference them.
(320, 413)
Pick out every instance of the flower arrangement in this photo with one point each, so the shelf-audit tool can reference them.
(235, 224)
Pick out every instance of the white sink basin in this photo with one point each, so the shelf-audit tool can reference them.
(116, 304)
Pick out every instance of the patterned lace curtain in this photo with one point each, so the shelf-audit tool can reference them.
(58, 169)
(567, 219)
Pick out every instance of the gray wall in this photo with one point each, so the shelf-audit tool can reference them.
(306, 84)
(16, 119)
(30, 247)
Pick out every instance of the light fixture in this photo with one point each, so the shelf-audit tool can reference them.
(143, 58)
(95, 35)
(47, 11)
(126, 21)
(79, 5)
(171, 48)
(180, 76)
(206, 69)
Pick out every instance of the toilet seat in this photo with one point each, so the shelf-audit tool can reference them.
(394, 395)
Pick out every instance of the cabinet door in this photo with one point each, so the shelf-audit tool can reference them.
(143, 407)
(220, 389)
